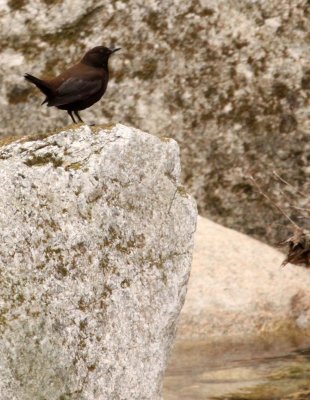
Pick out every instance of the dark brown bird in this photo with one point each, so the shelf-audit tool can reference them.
(80, 86)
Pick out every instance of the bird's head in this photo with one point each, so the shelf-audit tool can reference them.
(98, 56)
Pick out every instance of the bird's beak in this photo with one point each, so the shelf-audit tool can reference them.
(114, 50)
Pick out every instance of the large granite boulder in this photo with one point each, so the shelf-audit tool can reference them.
(95, 254)
(230, 80)
(238, 290)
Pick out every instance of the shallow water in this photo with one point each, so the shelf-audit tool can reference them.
(198, 371)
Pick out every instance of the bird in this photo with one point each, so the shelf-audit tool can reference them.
(80, 86)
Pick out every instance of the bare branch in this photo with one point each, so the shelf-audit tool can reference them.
(300, 208)
(273, 203)
(288, 184)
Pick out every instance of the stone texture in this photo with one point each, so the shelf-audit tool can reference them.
(95, 254)
(239, 290)
(230, 80)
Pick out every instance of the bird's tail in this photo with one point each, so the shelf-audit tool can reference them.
(40, 84)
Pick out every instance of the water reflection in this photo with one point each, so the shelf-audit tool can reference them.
(265, 371)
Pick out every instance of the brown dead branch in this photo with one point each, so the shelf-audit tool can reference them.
(298, 248)
(273, 203)
(279, 178)
(301, 209)
(299, 242)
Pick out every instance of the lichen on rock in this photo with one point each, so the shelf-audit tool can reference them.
(95, 255)
(232, 88)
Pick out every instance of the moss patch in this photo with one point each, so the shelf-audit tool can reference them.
(182, 191)
(75, 166)
(36, 136)
(19, 95)
(16, 5)
(165, 139)
(39, 160)
(125, 283)
(148, 70)
(68, 34)
(52, 2)
(8, 140)
(105, 127)
(71, 32)
(41, 136)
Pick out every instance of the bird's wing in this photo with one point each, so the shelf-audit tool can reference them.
(75, 89)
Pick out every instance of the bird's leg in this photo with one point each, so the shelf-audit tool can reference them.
(71, 115)
(78, 116)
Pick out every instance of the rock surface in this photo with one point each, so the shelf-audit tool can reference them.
(95, 254)
(239, 290)
(232, 86)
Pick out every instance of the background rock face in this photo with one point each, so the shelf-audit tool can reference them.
(95, 253)
(238, 290)
(230, 80)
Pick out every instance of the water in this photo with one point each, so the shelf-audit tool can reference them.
(276, 371)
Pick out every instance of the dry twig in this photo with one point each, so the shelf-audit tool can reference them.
(299, 242)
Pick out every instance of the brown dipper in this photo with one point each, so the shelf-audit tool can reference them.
(80, 86)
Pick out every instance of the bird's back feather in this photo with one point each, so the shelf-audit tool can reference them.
(74, 89)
